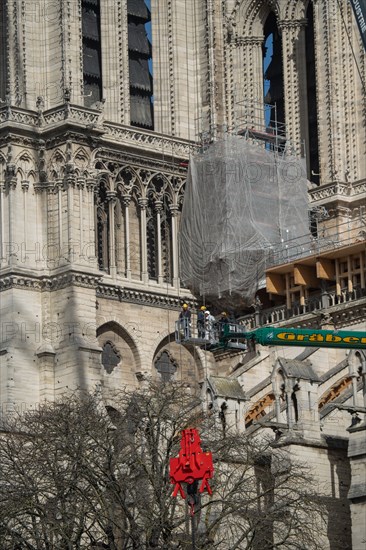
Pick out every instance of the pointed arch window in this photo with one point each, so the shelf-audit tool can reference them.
(313, 147)
(139, 53)
(92, 55)
(273, 71)
(166, 366)
(110, 357)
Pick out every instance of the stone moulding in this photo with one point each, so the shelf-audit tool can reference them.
(92, 119)
(111, 292)
(335, 189)
(138, 297)
(48, 283)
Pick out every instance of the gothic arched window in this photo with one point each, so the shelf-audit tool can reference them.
(166, 366)
(313, 150)
(273, 70)
(139, 53)
(110, 357)
(92, 55)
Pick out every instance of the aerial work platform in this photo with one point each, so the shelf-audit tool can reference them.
(234, 336)
(187, 334)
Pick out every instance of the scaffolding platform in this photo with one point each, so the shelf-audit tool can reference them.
(186, 334)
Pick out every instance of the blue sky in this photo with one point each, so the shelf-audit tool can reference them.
(266, 62)
(148, 26)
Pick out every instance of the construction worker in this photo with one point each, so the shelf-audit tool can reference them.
(222, 321)
(201, 322)
(185, 320)
(209, 326)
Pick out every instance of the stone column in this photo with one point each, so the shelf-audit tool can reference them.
(89, 251)
(278, 406)
(363, 375)
(25, 187)
(59, 209)
(71, 36)
(80, 184)
(126, 199)
(12, 184)
(159, 208)
(111, 198)
(291, 30)
(357, 492)
(2, 221)
(248, 74)
(174, 210)
(114, 37)
(144, 273)
(289, 403)
(70, 217)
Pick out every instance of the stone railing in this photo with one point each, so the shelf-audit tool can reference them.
(130, 135)
(149, 140)
(316, 304)
(334, 189)
(17, 115)
(329, 238)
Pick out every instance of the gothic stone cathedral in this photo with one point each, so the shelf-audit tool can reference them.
(93, 163)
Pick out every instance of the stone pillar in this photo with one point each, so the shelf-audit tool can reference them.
(289, 404)
(126, 199)
(71, 36)
(12, 257)
(70, 217)
(174, 213)
(59, 209)
(357, 492)
(25, 188)
(114, 37)
(2, 221)
(278, 406)
(248, 74)
(159, 208)
(291, 30)
(144, 273)
(363, 374)
(111, 198)
(90, 250)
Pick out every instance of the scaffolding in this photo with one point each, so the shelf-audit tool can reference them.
(246, 196)
(258, 123)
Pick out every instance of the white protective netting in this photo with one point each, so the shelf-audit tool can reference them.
(243, 204)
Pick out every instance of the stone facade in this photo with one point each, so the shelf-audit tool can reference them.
(90, 208)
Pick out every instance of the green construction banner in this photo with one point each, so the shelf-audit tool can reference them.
(269, 336)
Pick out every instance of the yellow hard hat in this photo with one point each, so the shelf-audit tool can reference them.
(224, 313)
(185, 306)
(203, 308)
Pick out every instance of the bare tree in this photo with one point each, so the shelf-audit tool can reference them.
(76, 474)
